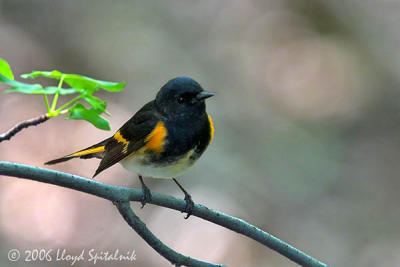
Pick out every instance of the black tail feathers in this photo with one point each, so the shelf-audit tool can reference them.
(93, 151)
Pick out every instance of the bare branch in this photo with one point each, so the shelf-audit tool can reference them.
(175, 258)
(25, 124)
(122, 194)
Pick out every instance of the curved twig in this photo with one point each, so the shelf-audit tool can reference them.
(122, 194)
(174, 257)
(25, 124)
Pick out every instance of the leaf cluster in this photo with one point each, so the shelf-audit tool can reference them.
(81, 86)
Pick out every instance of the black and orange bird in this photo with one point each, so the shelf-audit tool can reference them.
(162, 140)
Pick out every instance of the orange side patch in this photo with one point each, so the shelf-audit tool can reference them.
(211, 128)
(121, 139)
(88, 151)
(155, 140)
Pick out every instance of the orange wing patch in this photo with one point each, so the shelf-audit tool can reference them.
(88, 151)
(155, 140)
(121, 139)
(211, 128)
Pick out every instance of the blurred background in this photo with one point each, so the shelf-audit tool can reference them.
(306, 115)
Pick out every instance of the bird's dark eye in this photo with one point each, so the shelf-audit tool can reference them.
(181, 99)
(186, 98)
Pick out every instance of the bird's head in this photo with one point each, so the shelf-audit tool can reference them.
(182, 96)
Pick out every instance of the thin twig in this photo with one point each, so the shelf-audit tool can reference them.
(25, 124)
(122, 194)
(174, 257)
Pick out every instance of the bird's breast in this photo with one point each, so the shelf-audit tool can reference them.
(146, 165)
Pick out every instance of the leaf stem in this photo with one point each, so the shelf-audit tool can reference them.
(72, 101)
(53, 105)
(46, 101)
(61, 81)
(63, 111)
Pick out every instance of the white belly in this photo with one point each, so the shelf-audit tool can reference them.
(135, 165)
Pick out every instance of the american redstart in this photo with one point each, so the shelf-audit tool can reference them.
(162, 140)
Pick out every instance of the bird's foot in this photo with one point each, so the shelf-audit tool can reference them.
(146, 195)
(189, 205)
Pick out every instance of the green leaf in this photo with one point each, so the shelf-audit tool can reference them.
(27, 89)
(87, 84)
(51, 90)
(18, 87)
(95, 102)
(5, 69)
(84, 82)
(53, 74)
(79, 112)
(34, 89)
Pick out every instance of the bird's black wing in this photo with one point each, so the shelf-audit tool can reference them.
(130, 137)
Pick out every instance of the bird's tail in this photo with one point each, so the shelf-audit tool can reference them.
(95, 151)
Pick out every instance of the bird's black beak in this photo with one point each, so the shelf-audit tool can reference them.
(203, 95)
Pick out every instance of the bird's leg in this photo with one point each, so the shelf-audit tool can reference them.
(188, 199)
(146, 192)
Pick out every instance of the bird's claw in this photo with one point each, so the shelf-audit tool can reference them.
(189, 205)
(146, 195)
